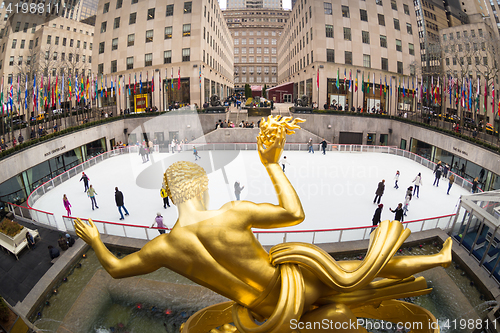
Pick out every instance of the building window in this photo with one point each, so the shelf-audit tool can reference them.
(151, 14)
(130, 63)
(113, 66)
(101, 47)
(186, 54)
(131, 40)
(167, 57)
(409, 29)
(394, 5)
(114, 44)
(119, 4)
(400, 67)
(149, 36)
(187, 7)
(148, 59)
(398, 45)
(49, 39)
(100, 68)
(106, 8)
(480, 32)
(71, 42)
(347, 33)
(381, 20)
(22, 43)
(348, 57)
(186, 30)
(170, 10)
(328, 8)
(365, 37)
(330, 55)
(411, 49)
(329, 31)
(116, 23)
(366, 60)
(26, 25)
(396, 24)
(378, 2)
(363, 15)
(14, 43)
(20, 61)
(168, 32)
(134, 1)
(406, 9)
(132, 18)
(385, 64)
(345, 11)
(31, 44)
(103, 26)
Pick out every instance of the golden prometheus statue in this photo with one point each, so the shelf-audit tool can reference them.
(297, 287)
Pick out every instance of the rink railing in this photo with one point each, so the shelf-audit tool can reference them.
(33, 214)
(77, 170)
(272, 237)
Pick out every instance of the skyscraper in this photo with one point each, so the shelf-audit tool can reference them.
(249, 4)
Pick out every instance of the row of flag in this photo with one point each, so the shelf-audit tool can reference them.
(467, 92)
(51, 92)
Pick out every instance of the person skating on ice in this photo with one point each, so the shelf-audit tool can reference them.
(237, 189)
(164, 195)
(474, 186)
(437, 174)
(91, 193)
(399, 212)
(119, 203)
(418, 182)
(195, 153)
(159, 223)
(323, 146)
(284, 161)
(407, 199)
(380, 191)
(66, 204)
(451, 180)
(86, 180)
(396, 179)
(376, 216)
(310, 146)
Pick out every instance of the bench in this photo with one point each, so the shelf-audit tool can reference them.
(18, 243)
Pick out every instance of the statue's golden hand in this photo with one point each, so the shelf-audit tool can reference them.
(272, 153)
(88, 233)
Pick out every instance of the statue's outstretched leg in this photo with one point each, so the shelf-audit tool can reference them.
(330, 318)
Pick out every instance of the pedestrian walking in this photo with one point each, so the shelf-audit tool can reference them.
(85, 179)
(238, 189)
(380, 191)
(418, 182)
(119, 203)
(438, 176)
(407, 199)
(399, 212)
(283, 162)
(195, 153)
(310, 146)
(451, 180)
(376, 216)
(474, 185)
(91, 193)
(396, 179)
(323, 146)
(67, 205)
(164, 195)
(159, 223)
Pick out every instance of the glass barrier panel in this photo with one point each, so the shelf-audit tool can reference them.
(68, 223)
(43, 218)
(443, 222)
(305, 237)
(327, 237)
(135, 232)
(353, 235)
(271, 238)
(414, 226)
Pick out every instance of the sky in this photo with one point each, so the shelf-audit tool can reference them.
(287, 4)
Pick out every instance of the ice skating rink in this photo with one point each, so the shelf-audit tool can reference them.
(336, 189)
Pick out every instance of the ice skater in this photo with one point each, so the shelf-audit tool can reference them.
(164, 195)
(451, 180)
(380, 191)
(396, 179)
(407, 199)
(323, 147)
(159, 223)
(438, 176)
(119, 203)
(310, 146)
(91, 193)
(142, 152)
(399, 212)
(474, 186)
(67, 205)
(418, 182)
(283, 162)
(446, 168)
(376, 216)
(238, 189)
(86, 180)
(195, 153)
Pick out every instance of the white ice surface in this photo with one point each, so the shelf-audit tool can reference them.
(336, 190)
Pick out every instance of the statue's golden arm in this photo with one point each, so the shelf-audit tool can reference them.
(138, 263)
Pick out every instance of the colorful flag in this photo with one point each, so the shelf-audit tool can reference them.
(69, 85)
(111, 87)
(485, 95)
(119, 86)
(153, 81)
(368, 85)
(179, 79)
(129, 85)
(385, 86)
(350, 80)
(160, 83)
(26, 94)
(317, 79)
(172, 78)
(380, 86)
(140, 83)
(363, 82)
(135, 82)
(356, 83)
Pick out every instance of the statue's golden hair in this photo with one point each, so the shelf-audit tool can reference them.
(184, 180)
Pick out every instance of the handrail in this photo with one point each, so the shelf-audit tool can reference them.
(31, 208)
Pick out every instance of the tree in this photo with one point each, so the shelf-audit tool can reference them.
(248, 91)
(264, 91)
